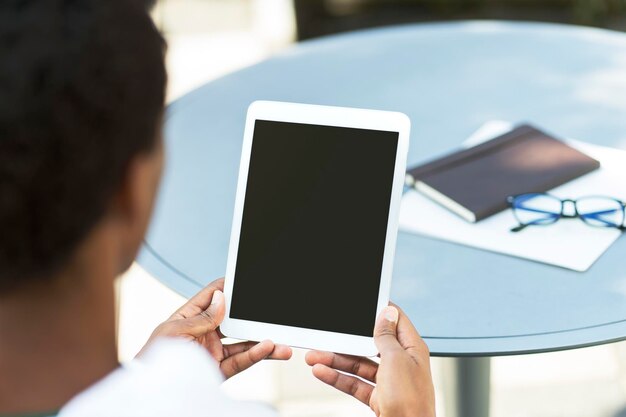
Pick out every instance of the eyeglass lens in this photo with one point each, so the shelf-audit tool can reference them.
(600, 211)
(536, 209)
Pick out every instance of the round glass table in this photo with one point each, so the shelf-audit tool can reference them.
(448, 78)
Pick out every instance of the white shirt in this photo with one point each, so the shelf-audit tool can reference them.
(173, 378)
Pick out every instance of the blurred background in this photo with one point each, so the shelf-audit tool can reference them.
(210, 38)
(315, 18)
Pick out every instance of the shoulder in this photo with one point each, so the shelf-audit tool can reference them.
(174, 377)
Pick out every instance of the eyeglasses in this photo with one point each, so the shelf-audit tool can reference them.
(541, 209)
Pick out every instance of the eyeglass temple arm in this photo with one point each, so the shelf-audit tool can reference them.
(596, 216)
(534, 210)
(522, 226)
(519, 227)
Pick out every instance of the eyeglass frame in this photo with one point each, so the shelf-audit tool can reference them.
(511, 199)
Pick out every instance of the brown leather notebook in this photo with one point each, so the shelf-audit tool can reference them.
(475, 182)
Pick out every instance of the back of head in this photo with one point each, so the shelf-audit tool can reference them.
(81, 93)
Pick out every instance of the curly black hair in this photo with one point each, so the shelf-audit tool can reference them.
(82, 90)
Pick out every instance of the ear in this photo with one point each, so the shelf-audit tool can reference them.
(134, 201)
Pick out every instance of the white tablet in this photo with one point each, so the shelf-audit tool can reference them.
(315, 224)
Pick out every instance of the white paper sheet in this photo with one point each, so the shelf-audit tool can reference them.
(569, 243)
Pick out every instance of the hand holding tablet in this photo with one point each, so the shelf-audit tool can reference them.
(315, 225)
(400, 384)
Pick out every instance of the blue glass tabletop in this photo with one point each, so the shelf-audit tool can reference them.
(449, 78)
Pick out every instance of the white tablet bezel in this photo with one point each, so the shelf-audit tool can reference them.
(329, 116)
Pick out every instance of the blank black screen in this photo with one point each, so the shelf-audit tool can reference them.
(314, 225)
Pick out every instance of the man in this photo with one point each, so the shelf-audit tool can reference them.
(82, 87)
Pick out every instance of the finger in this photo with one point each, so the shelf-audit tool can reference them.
(214, 346)
(410, 339)
(242, 361)
(209, 319)
(280, 352)
(235, 348)
(374, 405)
(350, 385)
(385, 335)
(219, 332)
(355, 365)
(200, 301)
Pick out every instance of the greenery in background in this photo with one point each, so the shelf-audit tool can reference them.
(597, 12)
(586, 12)
(318, 17)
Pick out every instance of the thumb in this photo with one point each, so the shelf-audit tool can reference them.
(209, 319)
(385, 333)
